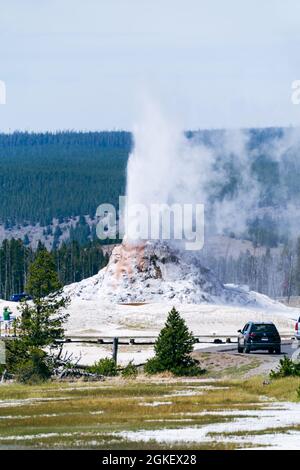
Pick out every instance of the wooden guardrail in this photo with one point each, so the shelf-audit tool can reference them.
(149, 340)
(138, 340)
(134, 341)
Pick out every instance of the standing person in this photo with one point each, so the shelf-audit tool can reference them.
(6, 318)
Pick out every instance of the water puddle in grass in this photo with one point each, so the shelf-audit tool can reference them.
(275, 416)
(156, 403)
(28, 401)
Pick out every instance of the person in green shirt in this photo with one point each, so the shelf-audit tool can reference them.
(6, 319)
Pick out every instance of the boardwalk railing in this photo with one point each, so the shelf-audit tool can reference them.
(7, 327)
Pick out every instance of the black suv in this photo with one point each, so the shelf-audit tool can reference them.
(259, 335)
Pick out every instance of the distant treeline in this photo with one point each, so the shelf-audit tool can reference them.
(73, 262)
(103, 139)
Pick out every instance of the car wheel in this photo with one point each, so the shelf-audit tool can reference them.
(247, 349)
(270, 351)
(240, 348)
(278, 351)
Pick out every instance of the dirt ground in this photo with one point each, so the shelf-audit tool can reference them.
(227, 365)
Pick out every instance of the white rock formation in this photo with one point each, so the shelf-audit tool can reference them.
(154, 272)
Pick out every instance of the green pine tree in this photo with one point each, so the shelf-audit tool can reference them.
(175, 342)
(173, 348)
(40, 324)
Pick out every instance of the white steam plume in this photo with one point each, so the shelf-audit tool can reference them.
(166, 167)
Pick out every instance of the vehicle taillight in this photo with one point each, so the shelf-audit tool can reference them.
(252, 335)
(296, 326)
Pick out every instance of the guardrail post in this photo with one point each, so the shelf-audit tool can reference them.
(115, 349)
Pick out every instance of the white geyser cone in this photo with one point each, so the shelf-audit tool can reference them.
(156, 272)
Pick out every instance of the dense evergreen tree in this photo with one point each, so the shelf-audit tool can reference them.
(174, 343)
(40, 324)
(173, 348)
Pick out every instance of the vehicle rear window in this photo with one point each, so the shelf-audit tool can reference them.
(261, 328)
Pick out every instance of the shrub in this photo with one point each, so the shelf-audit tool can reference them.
(153, 366)
(130, 371)
(191, 369)
(106, 366)
(286, 368)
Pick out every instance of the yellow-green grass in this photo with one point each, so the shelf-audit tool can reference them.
(283, 389)
(89, 415)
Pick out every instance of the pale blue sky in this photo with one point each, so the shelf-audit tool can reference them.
(77, 64)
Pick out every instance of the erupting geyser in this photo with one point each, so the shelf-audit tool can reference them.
(163, 169)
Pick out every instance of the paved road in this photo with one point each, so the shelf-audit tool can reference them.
(287, 348)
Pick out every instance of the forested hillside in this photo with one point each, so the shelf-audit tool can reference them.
(66, 174)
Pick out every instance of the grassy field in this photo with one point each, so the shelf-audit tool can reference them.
(98, 415)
